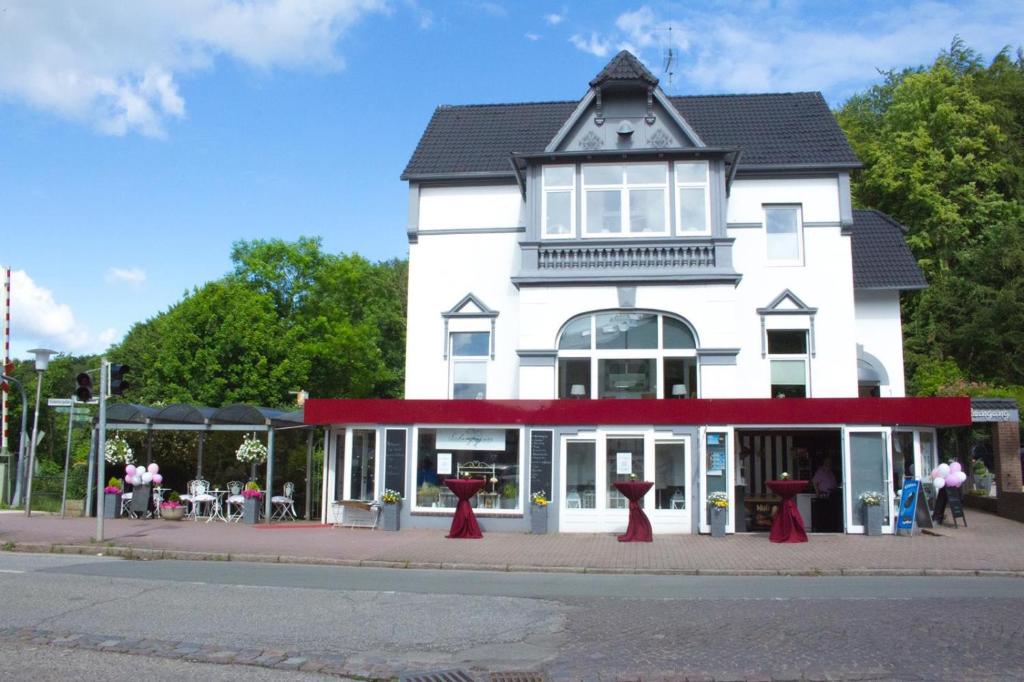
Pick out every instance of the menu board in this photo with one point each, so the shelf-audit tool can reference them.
(394, 460)
(540, 461)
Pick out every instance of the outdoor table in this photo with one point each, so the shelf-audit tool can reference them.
(464, 523)
(639, 527)
(217, 511)
(788, 525)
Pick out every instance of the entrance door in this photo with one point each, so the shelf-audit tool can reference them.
(592, 462)
(868, 468)
(360, 482)
(716, 474)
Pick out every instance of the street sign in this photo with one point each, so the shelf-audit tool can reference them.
(74, 410)
(66, 402)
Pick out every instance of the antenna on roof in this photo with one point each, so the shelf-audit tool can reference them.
(669, 62)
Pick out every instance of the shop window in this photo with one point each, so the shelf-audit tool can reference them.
(624, 451)
(469, 354)
(783, 235)
(670, 475)
(489, 454)
(787, 355)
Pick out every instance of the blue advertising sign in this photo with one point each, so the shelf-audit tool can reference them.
(908, 505)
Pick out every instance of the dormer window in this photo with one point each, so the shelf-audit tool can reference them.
(625, 199)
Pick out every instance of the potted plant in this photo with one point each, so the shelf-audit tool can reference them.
(539, 513)
(390, 510)
(117, 451)
(509, 496)
(112, 499)
(872, 503)
(428, 495)
(983, 478)
(718, 508)
(172, 509)
(251, 503)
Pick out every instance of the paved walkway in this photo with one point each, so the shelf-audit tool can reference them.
(990, 545)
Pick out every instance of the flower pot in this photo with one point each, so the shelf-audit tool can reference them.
(984, 483)
(508, 503)
(172, 513)
(873, 519)
(390, 515)
(111, 505)
(251, 510)
(718, 518)
(539, 519)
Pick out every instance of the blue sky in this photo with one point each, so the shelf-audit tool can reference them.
(138, 141)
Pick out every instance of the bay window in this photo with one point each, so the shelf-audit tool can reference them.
(693, 215)
(559, 201)
(787, 354)
(625, 199)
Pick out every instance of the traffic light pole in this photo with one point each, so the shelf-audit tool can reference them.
(67, 459)
(101, 451)
(19, 468)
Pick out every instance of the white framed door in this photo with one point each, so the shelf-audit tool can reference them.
(362, 463)
(591, 462)
(867, 467)
(716, 473)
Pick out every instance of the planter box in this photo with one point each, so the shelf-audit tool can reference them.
(873, 519)
(111, 505)
(141, 497)
(718, 518)
(539, 519)
(390, 516)
(251, 510)
(172, 513)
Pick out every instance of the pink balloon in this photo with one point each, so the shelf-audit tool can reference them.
(158, 479)
(129, 470)
(936, 473)
(939, 483)
(153, 468)
(955, 467)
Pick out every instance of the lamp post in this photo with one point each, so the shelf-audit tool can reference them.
(42, 363)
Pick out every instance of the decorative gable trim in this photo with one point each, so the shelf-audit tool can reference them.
(787, 298)
(469, 306)
(578, 112)
(678, 118)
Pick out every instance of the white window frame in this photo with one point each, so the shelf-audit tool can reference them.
(454, 360)
(804, 357)
(704, 519)
(624, 188)
(706, 186)
(856, 525)
(545, 190)
(785, 262)
(377, 463)
(659, 354)
(414, 470)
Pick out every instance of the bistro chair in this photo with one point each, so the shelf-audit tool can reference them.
(236, 501)
(126, 503)
(200, 496)
(284, 504)
(573, 501)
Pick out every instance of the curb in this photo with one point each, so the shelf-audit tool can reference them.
(145, 554)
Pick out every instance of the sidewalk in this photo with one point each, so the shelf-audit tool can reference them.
(990, 546)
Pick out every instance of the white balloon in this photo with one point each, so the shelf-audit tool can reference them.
(153, 468)
(939, 483)
(147, 477)
(962, 475)
(943, 470)
(137, 480)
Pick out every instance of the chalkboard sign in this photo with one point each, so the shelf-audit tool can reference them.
(956, 505)
(394, 460)
(540, 462)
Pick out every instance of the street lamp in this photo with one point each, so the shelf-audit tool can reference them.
(42, 363)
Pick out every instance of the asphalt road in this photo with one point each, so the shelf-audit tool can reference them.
(568, 625)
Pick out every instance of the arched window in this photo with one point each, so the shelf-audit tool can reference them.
(627, 354)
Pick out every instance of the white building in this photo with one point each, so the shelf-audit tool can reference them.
(697, 254)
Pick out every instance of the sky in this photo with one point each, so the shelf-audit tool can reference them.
(139, 141)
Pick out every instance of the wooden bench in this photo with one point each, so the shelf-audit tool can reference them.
(355, 514)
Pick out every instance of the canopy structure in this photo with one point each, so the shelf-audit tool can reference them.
(239, 417)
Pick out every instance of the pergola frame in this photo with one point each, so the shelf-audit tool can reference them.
(237, 418)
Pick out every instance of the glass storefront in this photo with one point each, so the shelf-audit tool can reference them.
(489, 454)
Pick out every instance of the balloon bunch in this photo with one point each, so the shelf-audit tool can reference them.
(951, 475)
(143, 475)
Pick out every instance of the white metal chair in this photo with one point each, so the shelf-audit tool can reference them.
(236, 501)
(200, 496)
(284, 504)
(186, 499)
(678, 500)
(126, 503)
(573, 501)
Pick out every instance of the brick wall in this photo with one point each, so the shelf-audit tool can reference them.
(1006, 451)
(1011, 506)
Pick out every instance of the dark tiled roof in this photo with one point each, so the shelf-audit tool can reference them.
(993, 404)
(624, 67)
(881, 257)
(774, 129)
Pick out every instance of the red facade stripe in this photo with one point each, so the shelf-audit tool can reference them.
(763, 412)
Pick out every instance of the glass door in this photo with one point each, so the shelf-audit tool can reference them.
(360, 476)
(672, 492)
(716, 473)
(867, 468)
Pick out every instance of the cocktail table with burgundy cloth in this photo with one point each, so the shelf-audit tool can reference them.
(464, 523)
(788, 525)
(639, 527)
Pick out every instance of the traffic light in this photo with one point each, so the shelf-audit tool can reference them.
(118, 385)
(84, 390)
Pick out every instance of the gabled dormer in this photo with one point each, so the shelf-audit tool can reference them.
(626, 190)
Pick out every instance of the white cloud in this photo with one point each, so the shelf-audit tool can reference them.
(126, 275)
(555, 19)
(595, 44)
(108, 337)
(532, 37)
(492, 8)
(37, 317)
(114, 65)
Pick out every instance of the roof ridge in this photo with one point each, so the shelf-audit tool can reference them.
(508, 104)
(886, 217)
(749, 94)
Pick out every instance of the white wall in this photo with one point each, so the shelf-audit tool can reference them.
(445, 208)
(880, 332)
(818, 196)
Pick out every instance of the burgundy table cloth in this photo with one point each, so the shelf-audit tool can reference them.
(639, 527)
(464, 523)
(788, 525)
